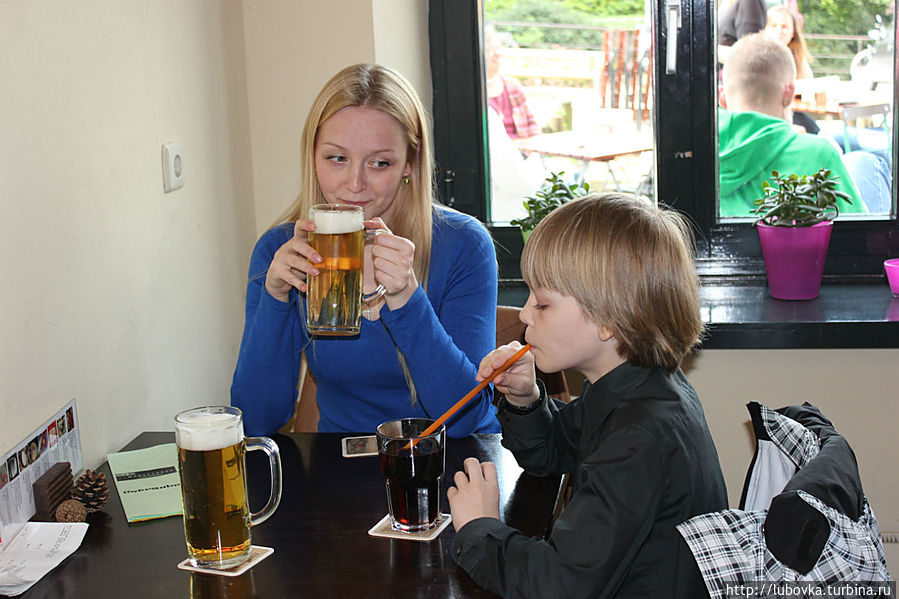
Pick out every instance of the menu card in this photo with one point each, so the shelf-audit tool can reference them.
(56, 440)
(147, 482)
(35, 550)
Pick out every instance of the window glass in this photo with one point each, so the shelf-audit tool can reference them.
(681, 118)
(567, 90)
(838, 116)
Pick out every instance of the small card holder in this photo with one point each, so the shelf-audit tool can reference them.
(385, 529)
(52, 488)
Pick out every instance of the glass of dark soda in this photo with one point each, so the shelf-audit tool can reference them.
(413, 470)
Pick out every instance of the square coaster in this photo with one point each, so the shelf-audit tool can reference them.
(384, 529)
(257, 554)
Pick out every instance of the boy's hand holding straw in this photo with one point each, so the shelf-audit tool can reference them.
(476, 491)
(518, 381)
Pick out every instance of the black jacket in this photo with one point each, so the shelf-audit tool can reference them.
(642, 461)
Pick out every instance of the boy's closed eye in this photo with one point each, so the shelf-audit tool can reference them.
(539, 303)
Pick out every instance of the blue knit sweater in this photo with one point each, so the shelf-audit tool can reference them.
(443, 335)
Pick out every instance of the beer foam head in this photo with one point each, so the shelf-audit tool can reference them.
(200, 430)
(338, 221)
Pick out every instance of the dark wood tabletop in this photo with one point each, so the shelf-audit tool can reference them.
(319, 533)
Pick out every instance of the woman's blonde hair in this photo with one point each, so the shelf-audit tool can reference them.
(797, 45)
(381, 88)
(629, 264)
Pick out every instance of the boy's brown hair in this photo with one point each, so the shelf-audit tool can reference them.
(629, 264)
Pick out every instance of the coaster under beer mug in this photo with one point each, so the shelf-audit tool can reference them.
(256, 555)
(384, 529)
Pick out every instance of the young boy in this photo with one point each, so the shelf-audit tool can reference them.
(614, 295)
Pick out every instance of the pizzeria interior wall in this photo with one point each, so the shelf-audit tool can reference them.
(115, 294)
(130, 300)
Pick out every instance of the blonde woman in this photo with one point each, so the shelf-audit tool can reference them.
(367, 142)
(785, 25)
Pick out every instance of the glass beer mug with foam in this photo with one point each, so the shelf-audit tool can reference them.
(334, 297)
(211, 462)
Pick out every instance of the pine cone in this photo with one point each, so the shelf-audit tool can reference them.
(71, 510)
(91, 490)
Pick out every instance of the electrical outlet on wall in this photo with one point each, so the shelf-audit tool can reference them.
(172, 166)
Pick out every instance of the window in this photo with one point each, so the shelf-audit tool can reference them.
(685, 146)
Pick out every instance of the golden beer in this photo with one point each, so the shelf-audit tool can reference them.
(211, 464)
(334, 296)
(216, 518)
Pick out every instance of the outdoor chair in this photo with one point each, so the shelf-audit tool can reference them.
(851, 114)
(625, 77)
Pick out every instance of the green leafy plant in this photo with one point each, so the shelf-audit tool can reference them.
(553, 193)
(799, 201)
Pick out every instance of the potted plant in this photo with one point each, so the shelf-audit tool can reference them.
(553, 193)
(795, 220)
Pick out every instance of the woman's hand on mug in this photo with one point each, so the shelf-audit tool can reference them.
(292, 263)
(392, 264)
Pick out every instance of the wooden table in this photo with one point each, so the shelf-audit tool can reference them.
(319, 533)
(586, 147)
(833, 107)
(827, 110)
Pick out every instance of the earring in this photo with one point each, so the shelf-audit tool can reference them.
(405, 179)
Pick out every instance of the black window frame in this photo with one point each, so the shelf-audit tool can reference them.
(685, 133)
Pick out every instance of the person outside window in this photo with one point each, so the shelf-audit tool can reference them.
(755, 133)
(737, 19)
(505, 94)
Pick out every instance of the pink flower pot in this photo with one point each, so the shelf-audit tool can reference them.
(891, 267)
(794, 259)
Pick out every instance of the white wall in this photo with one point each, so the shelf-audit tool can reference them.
(113, 293)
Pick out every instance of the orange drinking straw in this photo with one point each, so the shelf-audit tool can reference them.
(458, 405)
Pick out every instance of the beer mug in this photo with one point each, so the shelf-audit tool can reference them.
(334, 296)
(413, 469)
(211, 452)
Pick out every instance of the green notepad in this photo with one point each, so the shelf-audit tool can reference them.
(147, 481)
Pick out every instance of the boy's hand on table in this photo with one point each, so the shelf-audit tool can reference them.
(476, 494)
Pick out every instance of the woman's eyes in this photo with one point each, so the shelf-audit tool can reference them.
(341, 159)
